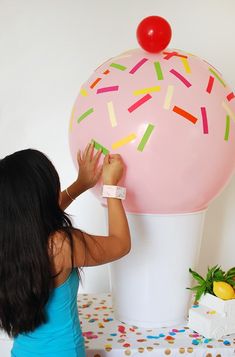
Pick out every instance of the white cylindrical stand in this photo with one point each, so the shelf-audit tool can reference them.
(149, 284)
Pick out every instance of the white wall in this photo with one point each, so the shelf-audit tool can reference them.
(48, 48)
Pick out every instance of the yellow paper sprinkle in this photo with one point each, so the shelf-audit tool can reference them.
(83, 92)
(186, 65)
(228, 110)
(112, 116)
(147, 90)
(123, 141)
(71, 119)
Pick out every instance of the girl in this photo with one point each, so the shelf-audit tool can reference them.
(40, 250)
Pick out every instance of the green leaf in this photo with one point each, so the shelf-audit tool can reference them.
(195, 288)
(196, 276)
(199, 293)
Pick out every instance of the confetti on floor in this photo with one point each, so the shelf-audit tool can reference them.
(106, 335)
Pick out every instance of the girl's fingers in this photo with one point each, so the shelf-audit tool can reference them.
(84, 155)
(106, 159)
(97, 157)
(98, 173)
(79, 157)
(90, 151)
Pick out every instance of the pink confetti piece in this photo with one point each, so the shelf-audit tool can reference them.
(204, 120)
(138, 65)
(210, 84)
(181, 78)
(139, 103)
(107, 89)
(230, 96)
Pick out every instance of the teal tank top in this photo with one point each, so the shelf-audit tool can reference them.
(61, 335)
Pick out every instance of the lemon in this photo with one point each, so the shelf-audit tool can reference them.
(223, 290)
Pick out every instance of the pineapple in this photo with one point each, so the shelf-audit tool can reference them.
(214, 274)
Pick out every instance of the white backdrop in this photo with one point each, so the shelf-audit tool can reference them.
(48, 48)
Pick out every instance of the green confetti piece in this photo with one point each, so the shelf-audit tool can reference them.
(84, 115)
(226, 135)
(158, 70)
(100, 147)
(118, 66)
(145, 137)
(217, 77)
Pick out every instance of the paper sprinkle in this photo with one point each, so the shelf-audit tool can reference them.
(138, 65)
(169, 94)
(118, 66)
(112, 116)
(217, 77)
(139, 103)
(83, 92)
(169, 55)
(186, 65)
(181, 78)
(227, 128)
(71, 119)
(95, 83)
(147, 90)
(145, 137)
(123, 141)
(210, 84)
(158, 70)
(98, 146)
(204, 120)
(230, 96)
(85, 114)
(185, 114)
(228, 110)
(107, 89)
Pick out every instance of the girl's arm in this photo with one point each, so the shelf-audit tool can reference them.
(90, 250)
(89, 174)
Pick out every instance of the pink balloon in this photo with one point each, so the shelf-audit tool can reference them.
(172, 118)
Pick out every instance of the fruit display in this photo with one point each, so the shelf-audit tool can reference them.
(217, 282)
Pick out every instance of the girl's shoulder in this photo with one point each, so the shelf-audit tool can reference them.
(59, 251)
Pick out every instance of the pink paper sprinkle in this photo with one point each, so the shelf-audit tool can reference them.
(107, 89)
(138, 65)
(139, 103)
(181, 78)
(204, 120)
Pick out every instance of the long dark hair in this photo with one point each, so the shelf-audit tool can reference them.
(29, 215)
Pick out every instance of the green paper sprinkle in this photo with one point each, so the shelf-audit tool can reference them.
(158, 70)
(118, 66)
(84, 115)
(145, 137)
(100, 147)
(226, 135)
(217, 76)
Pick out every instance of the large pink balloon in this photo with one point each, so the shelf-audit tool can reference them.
(171, 116)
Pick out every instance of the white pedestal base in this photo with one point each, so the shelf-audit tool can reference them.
(149, 284)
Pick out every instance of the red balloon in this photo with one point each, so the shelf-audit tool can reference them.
(153, 34)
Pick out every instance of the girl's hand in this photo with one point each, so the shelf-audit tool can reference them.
(113, 168)
(89, 171)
